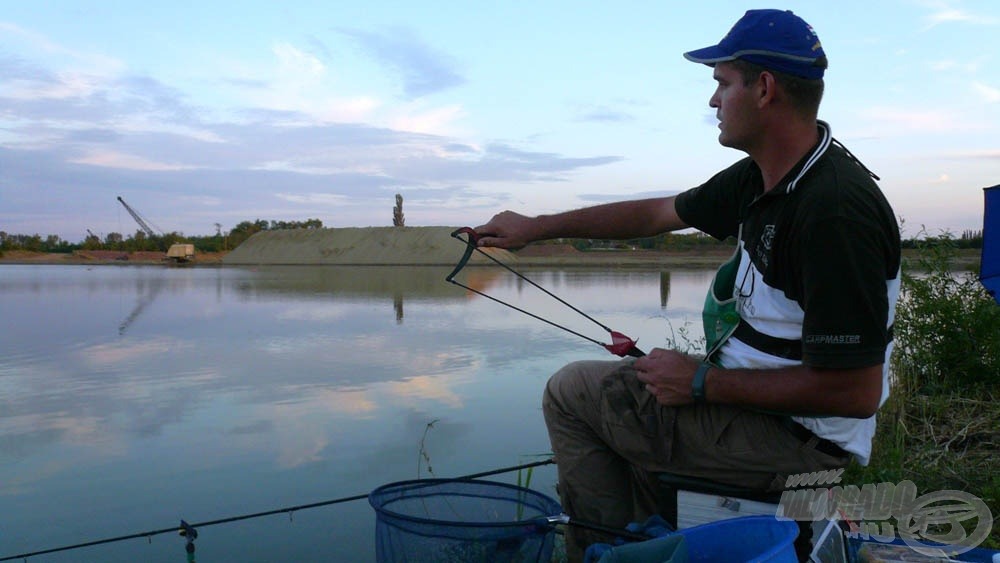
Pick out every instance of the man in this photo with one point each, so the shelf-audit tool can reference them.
(796, 385)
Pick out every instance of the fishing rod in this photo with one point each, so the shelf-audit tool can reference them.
(621, 345)
(622, 533)
(189, 530)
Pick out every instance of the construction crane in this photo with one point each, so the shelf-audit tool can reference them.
(176, 252)
(92, 238)
(143, 224)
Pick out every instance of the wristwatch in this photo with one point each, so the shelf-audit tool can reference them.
(698, 383)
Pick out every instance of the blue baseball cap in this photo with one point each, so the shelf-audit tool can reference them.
(774, 39)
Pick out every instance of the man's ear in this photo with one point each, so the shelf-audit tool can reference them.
(766, 88)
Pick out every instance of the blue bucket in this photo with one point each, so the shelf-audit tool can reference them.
(749, 539)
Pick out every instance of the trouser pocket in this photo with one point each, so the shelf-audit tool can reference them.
(637, 428)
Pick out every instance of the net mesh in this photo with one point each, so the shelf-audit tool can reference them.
(442, 520)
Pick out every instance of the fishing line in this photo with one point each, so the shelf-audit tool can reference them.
(189, 530)
(287, 510)
(621, 345)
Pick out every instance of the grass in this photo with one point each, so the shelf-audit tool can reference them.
(940, 427)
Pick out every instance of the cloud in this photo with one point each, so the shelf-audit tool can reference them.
(299, 86)
(951, 64)
(315, 199)
(542, 161)
(254, 168)
(946, 13)
(890, 118)
(112, 159)
(426, 388)
(988, 93)
(87, 62)
(51, 103)
(433, 121)
(423, 70)
(297, 62)
(117, 353)
(605, 114)
(986, 154)
(17, 69)
(603, 198)
(70, 142)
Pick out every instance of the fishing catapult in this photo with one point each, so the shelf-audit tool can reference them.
(620, 345)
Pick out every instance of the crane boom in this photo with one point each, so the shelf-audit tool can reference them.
(138, 218)
(177, 253)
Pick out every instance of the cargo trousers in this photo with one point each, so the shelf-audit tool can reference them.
(610, 438)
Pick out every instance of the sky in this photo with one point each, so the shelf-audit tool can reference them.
(201, 115)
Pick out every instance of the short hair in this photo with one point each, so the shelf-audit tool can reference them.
(805, 94)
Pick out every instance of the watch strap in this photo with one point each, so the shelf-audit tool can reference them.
(698, 383)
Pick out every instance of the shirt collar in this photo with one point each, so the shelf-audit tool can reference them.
(788, 184)
(825, 138)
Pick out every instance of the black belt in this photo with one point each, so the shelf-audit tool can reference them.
(804, 434)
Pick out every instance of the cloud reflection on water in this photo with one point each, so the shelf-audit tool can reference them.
(250, 387)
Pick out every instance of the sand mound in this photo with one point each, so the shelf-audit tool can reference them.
(361, 246)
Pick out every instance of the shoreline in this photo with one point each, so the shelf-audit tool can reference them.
(103, 258)
(622, 259)
(532, 257)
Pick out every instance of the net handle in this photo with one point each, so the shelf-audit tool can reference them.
(564, 519)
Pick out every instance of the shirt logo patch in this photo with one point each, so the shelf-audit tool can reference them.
(767, 237)
(763, 249)
(833, 339)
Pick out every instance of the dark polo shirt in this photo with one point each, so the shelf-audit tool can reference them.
(821, 256)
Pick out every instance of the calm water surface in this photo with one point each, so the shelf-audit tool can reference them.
(132, 397)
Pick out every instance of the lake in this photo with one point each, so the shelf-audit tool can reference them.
(132, 397)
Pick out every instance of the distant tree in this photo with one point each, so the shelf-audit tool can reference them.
(398, 220)
(114, 240)
(281, 225)
(246, 229)
(971, 239)
(92, 242)
(33, 243)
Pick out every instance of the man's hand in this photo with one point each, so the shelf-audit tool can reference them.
(797, 390)
(506, 230)
(668, 375)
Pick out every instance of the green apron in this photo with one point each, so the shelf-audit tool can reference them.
(719, 314)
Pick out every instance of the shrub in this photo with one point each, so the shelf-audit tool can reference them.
(947, 327)
(941, 425)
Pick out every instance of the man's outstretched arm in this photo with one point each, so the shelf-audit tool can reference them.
(619, 220)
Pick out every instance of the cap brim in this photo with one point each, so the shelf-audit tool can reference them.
(708, 55)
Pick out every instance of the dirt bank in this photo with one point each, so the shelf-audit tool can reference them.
(432, 246)
(356, 246)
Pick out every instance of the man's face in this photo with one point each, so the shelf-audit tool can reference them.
(736, 108)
